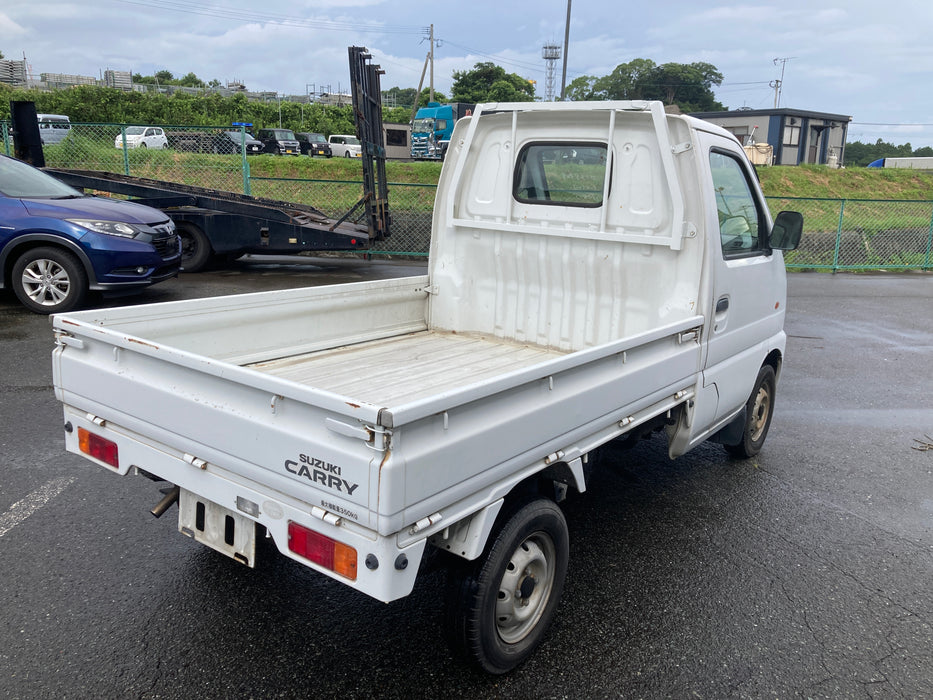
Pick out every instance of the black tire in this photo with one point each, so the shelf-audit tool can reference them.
(143, 145)
(500, 606)
(758, 411)
(346, 154)
(49, 280)
(196, 249)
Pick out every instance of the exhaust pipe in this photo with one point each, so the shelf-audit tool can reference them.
(170, 499)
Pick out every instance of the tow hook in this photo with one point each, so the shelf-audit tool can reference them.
(170, 499)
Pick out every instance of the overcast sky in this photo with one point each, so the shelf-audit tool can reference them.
(872, 61)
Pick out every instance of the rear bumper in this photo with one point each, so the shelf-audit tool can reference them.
(385, 570)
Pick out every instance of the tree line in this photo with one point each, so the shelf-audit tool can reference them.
(689, 86)
(860, 154)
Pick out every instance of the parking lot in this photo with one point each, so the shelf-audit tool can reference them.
(804, 572)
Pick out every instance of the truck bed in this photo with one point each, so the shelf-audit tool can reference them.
(442, 362)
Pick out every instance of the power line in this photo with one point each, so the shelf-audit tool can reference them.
(497, 59)
(884, 124)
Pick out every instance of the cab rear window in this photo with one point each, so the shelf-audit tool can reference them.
(565, 174)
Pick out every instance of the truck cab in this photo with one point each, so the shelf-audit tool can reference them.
(433, 126)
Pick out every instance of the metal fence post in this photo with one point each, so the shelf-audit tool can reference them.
(244, 162)
(926, 262)
(126, 154)
(842, 211)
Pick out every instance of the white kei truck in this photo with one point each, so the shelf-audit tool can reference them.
(597, 270)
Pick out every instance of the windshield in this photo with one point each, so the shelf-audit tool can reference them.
(422, 126)
(235, 135)
(17, 179)
(284, 135)
(135, 130)
(352, 140)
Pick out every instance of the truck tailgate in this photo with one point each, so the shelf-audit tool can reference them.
(172, 373)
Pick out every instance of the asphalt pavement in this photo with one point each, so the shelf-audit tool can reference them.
(805, 572)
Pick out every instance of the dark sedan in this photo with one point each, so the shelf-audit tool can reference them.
(313, 144)
(230, 142)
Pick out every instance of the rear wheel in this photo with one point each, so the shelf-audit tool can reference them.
(758, 411)
(499, 607)
(49, 280)
(195, 247)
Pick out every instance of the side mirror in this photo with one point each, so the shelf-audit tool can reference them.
(788, 227)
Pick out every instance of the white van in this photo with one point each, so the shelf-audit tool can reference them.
(345, 146)
(53, 128)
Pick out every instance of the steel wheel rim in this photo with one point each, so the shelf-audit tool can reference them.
(525, 588)
(760, 412)
(46, 282)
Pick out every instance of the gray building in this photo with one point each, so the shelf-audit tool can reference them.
(795, 135)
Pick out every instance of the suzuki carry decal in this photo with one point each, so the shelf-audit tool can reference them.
(320, 472)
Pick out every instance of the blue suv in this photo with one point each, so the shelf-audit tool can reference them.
(57, 244)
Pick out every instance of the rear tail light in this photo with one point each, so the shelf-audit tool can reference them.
(99, 448)
(332, 555)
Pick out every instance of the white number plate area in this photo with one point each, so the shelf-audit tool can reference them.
(226, 531)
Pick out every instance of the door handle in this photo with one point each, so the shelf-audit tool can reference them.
(722, 305)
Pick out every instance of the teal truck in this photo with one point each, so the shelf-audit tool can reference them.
(431, 129)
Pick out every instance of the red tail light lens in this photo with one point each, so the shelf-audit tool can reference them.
(99, 448)
(332, 555)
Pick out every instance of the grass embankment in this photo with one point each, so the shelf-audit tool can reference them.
(814, 181)
(850, 183)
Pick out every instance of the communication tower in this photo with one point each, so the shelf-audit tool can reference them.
(551, 54)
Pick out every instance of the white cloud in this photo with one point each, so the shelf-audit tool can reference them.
(855, 58)
(9, 28)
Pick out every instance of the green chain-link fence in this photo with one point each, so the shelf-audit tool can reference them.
(861, 234)
(410, 207)
(839, 234)
(203, 156)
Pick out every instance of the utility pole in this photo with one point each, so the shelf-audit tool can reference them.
(778, 85)
(563, 78)
(414, 107)
(432, 64)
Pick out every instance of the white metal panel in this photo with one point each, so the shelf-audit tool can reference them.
(400, 370)
(252, 327)
(564, 277)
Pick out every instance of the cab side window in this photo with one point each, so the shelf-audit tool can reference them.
(741, 224)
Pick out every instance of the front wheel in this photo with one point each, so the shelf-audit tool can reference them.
(758, 411)
(500, 606)
(195, 247)
(49, 280)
